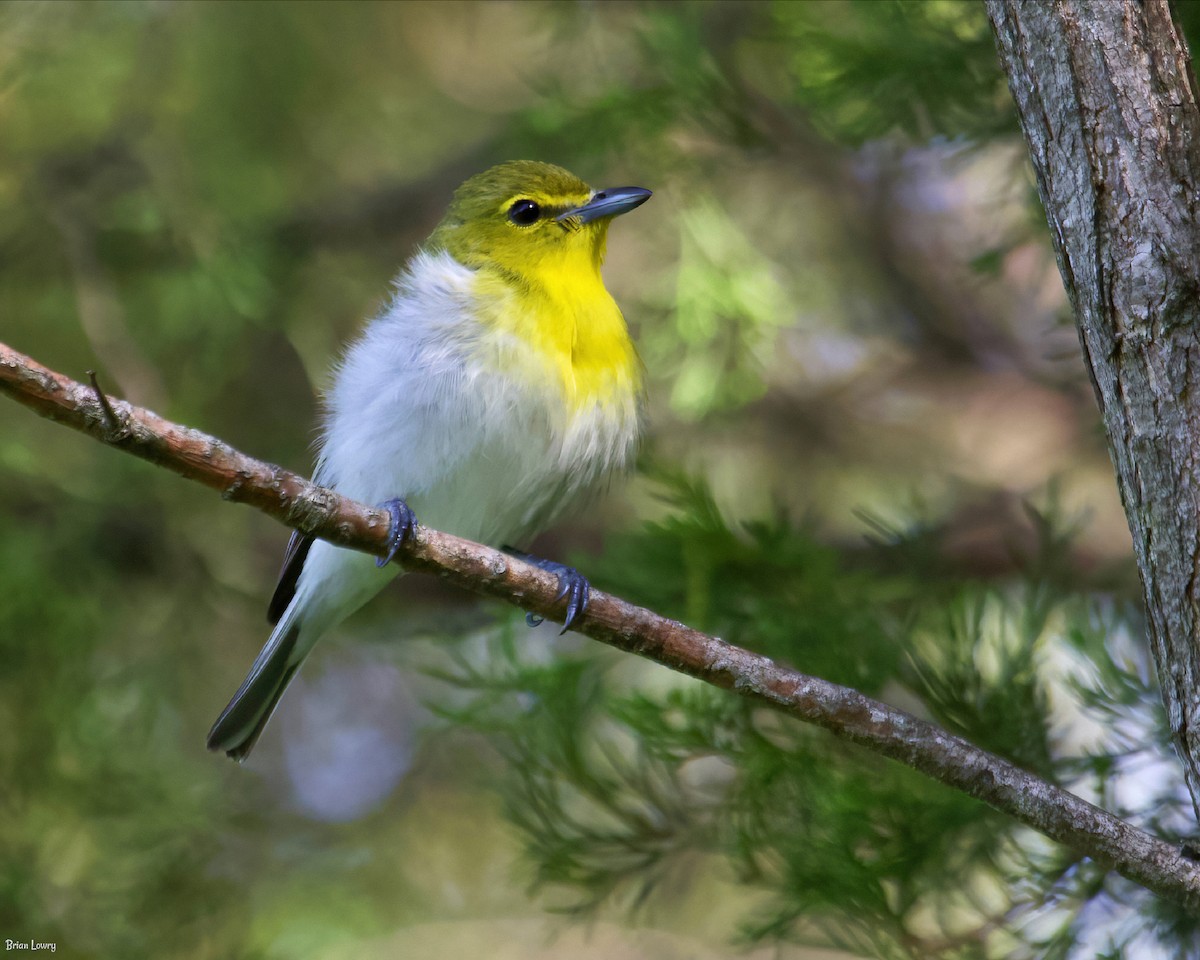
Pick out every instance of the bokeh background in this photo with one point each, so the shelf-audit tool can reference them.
(872, 451)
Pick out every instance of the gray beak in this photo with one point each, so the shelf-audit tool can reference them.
(608, 203)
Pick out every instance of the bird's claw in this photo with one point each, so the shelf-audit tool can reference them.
(573, 587)
(404, 522)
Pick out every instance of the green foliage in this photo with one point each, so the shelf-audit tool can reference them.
(764, 587)
(866, 68)
(977, 666)
(617, 789)
(201, 202)
(728, 309)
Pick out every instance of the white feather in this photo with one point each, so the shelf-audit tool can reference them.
(473, 431)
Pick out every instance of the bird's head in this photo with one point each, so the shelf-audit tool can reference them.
(525, 218)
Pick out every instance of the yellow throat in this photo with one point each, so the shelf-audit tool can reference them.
(535, 235)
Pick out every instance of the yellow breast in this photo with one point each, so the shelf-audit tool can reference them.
(559, 312)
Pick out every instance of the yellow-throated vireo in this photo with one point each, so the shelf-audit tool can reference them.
(498, 386)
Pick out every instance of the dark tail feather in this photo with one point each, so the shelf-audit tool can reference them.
(243, 720)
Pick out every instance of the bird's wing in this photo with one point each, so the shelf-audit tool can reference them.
(294, 556)
(289, 576)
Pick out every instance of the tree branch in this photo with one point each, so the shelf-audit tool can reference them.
(1107, 100)
(848, 714)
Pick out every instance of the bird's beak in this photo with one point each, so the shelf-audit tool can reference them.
(607, 203)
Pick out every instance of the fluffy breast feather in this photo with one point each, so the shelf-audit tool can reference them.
(477, 431)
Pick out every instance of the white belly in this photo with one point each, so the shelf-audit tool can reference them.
(419, 411)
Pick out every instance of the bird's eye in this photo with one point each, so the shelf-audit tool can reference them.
(524, 212)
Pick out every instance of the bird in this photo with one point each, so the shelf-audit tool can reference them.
(498, 387)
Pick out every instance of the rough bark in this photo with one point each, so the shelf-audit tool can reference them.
(1107, 100)
(1050, 810)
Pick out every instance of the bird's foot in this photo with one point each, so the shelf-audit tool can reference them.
(573, 587)
(404, 522)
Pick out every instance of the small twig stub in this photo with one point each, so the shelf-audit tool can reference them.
(117, 427)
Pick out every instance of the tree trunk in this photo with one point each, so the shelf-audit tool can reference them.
(1107, 100)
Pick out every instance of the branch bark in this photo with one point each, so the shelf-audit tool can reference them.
(846, 713)
(1107, 101)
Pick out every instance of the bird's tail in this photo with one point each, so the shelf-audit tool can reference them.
(242, 721)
